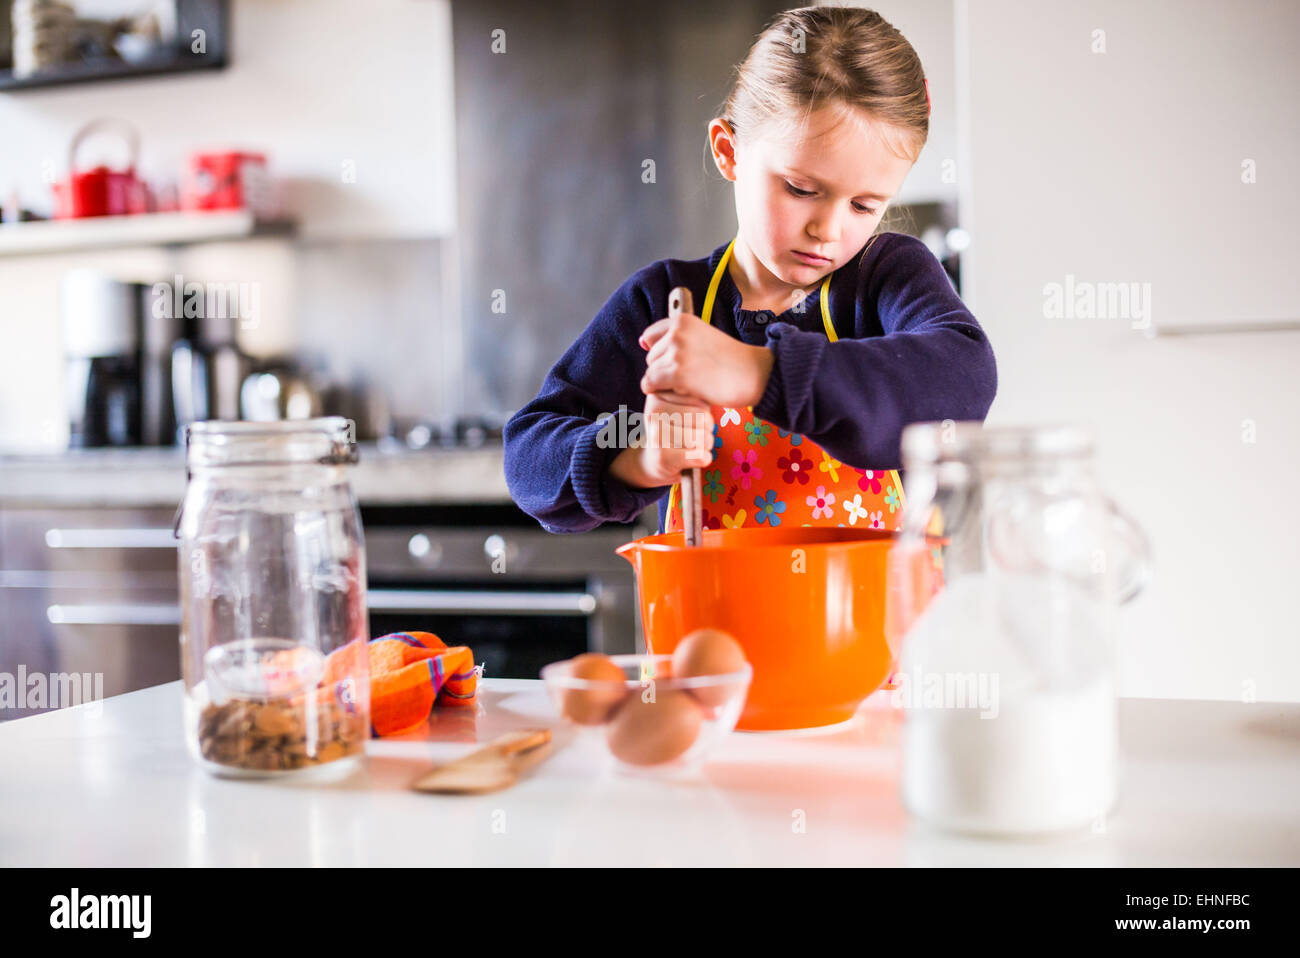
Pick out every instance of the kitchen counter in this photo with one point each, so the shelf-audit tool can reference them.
(1204, 784)
(156, 476)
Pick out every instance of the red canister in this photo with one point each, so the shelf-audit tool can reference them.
(229, 180)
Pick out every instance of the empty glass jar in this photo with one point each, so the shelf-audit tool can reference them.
(273, 602)
(1003, 585)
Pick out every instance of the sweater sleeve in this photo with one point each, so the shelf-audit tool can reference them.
(854, 396)
(556, 460)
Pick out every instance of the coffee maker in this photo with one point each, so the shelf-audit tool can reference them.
(102, 338)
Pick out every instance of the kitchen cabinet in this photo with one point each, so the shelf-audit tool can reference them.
(89, 591)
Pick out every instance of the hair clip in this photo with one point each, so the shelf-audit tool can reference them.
(929, 107)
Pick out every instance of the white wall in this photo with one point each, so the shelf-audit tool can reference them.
(928, 27)
(1125, 166)
(314, 83)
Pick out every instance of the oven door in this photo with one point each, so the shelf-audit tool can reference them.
(513, 630)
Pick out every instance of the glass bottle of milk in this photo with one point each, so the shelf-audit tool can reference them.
(1003, 587)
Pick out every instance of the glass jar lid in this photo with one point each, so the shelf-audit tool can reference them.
(327, 441)
(927, 443)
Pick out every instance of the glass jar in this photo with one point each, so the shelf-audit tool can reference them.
(273, 598)
(1003, 584)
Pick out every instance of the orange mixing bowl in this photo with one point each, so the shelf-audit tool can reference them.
(807, 605)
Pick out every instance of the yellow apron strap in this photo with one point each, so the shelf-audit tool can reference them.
(898, 484)
(826, 310)
(706, 314)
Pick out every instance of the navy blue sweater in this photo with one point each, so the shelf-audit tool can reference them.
(908, 350)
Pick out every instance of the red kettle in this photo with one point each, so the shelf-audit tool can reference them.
(101, 191)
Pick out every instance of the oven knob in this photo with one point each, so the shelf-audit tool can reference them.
(422, 549)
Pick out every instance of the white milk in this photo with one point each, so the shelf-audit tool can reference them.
(1043, 763)
(1041, 755)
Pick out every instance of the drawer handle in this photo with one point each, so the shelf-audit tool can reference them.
(119, 614)
(110, 539)
(467, 602)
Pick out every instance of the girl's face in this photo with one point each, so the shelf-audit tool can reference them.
(805, 207)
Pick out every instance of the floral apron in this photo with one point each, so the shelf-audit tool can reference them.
(764, 476)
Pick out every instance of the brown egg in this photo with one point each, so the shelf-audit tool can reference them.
(592, 705)
(650, 733)
(709, 652)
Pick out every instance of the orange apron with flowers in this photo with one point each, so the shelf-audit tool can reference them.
(762, 476)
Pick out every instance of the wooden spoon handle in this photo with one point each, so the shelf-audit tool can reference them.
(497, 765)
(511, 743)
(679, 303)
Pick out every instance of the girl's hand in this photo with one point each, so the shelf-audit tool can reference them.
(676, 436)
(690, 358)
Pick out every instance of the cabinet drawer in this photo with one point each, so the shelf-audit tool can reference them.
(130, 644)
(111, 543)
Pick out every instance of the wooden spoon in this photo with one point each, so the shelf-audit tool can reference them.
(496, 766)
(679, 303)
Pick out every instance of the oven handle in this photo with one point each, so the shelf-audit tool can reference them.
(468, 602)
(379, 600)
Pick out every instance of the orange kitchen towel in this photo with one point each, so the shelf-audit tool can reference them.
(410, 672)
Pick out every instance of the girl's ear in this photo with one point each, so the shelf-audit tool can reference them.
(722, 143)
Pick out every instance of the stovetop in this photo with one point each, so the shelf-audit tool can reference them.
(455, 432)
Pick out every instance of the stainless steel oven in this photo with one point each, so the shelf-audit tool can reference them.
(488, 577)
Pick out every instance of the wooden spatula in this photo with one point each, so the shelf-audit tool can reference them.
(496, 766)
(679, 302)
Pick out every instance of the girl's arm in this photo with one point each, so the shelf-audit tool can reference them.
(854, 396)
(556, 467)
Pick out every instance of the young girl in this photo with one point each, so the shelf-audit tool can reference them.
(815, 341)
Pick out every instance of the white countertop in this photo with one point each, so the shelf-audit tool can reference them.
(1203, 784)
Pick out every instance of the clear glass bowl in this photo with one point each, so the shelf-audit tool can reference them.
(654, 723)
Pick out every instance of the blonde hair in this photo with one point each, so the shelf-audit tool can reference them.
(844, 57)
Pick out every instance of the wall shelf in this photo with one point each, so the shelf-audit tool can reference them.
(145, 229)
(95, 72)
(209, 19)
